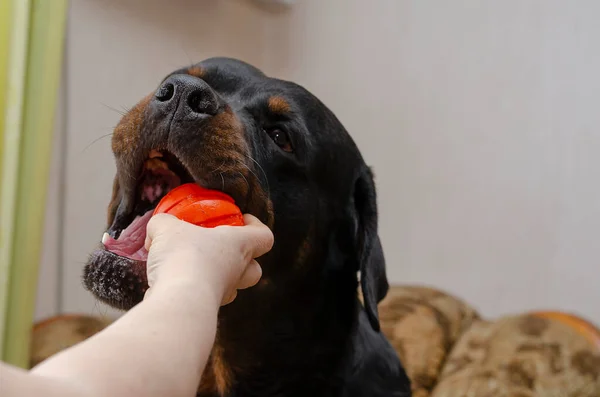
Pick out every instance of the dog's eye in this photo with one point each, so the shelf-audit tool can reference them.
(280, 138)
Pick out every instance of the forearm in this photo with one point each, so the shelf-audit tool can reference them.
(167, 358)
(17, 382)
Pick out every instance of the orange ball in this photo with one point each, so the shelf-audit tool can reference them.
(199, 206)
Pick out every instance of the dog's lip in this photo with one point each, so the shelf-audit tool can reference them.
(132, 274)
(134, 266)
(132, 262)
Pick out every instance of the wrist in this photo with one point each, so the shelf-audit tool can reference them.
(186, 271)
(190, 290)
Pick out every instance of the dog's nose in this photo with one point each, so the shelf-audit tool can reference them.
(189, 91)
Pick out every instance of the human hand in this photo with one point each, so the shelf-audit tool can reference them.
(221, 259)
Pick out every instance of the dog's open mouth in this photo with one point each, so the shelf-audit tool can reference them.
(161, 173)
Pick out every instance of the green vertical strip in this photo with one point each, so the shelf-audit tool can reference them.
(5, 28)
(16, 40)
(42, 79)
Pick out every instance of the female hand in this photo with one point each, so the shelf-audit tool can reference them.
(220, 259)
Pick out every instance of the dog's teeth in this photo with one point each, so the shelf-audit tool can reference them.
(105, 237)
(155, 153)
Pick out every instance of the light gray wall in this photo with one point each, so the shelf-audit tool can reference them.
(480, 118)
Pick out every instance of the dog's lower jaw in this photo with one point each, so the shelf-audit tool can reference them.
(119, 282)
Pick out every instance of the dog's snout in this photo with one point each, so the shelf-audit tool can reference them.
(199, 103)
(190, 92)
(165, 92)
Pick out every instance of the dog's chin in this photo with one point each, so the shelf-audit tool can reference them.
(118, 281)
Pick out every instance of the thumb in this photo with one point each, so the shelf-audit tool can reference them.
(157, 225)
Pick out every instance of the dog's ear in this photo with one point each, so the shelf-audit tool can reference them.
(373, 278)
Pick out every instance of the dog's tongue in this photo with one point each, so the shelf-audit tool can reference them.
(130, 243)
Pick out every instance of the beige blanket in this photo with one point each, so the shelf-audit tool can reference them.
(450, 351)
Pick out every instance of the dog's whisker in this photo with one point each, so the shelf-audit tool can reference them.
(96, 140)
(242, 175)
(218, 168)
(256, 176)
(250, 170)
(187, 55)
(99, 309)
(121, 112)
(268, 191)
(222, 180)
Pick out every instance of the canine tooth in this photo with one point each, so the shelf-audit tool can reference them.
(105, 237)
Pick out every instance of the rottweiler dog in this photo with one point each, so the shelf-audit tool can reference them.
(285, 158)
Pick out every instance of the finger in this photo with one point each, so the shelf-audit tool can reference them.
(230, 298)
(251, 276)
(260, 237)
(262, 243)
(251, 220)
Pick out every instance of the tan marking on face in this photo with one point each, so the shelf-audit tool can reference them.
(196, 71)
(224, 139)
(225, 135)
(124, 142)
(279, 105)
(127, 133)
